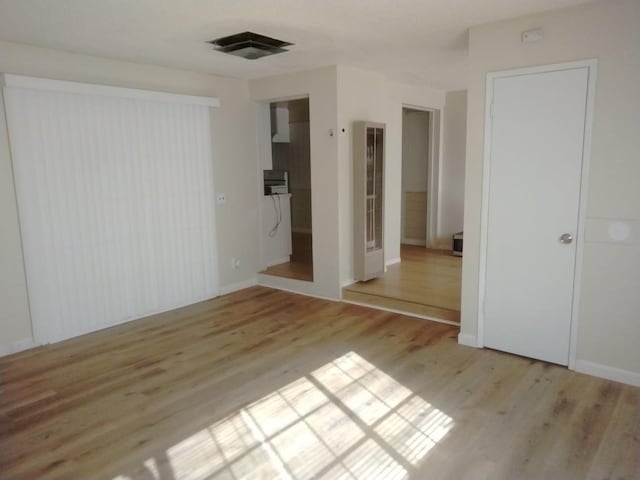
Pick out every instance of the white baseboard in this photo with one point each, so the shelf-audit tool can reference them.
(392, 261)
(346, 283)
(17, 346)
(610, 373)
(234, 287)
(468, 340)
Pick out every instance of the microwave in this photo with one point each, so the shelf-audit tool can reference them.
(276, 182)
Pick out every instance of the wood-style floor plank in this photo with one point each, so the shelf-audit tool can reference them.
(426, 282)
(300, 264)
(267, 384)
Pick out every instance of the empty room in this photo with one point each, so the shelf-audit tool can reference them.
(286, 239)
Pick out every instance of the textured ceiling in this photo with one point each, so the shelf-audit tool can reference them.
(421, 41)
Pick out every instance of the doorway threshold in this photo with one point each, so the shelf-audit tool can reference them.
(294, 270)
(427, 312)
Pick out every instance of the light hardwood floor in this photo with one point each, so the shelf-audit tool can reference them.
(300, 266)
(427, 282)
(267, 384)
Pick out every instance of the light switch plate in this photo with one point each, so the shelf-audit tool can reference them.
(533, 35)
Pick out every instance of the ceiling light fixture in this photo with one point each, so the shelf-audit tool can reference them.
(249, 45)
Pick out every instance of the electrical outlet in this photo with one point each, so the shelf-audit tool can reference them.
(221, 198)
(235, 263)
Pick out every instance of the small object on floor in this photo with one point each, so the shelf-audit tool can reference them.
(457, 244)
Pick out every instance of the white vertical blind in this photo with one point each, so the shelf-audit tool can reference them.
(116, 206)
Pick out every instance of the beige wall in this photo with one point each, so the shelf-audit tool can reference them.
(234, 164)
(364, 95)
(15, 322)
(454, 145)
(415, 150)
(609, 323)
(415, 158)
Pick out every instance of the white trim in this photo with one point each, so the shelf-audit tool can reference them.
(591, 66)
(392, 261)
(582, 209)
(234, 287)
(417, 242)
(610, 373)
(402, 312)
(484, 209)
(18, 346)
(434, 178)
(35, 83)
(468, 340)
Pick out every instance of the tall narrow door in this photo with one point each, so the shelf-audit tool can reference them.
(535, 168)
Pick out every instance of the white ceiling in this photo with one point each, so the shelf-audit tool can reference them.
(421, 41)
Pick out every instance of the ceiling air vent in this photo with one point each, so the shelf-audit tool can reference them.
(249, 45)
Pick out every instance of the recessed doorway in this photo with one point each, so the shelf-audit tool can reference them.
(426, 282)
(416, 152)
(286, 211)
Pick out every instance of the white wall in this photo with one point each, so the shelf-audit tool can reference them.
(454, 147)
(415, 160)
(415, 150)
(234, 164)
(609, 323)
(364, 95)
(321, 87)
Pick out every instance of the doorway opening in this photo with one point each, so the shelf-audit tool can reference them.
(286, 204)
(416, 153)
(426, 282)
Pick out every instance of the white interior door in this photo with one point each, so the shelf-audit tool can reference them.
(535, 168)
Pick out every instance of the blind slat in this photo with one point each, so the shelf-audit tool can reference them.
(116, 205)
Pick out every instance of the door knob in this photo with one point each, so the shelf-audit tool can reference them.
(566, 238)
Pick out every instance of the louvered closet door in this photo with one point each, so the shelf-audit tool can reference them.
(116, 207)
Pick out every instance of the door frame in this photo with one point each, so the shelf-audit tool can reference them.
(262, 115)
(591, 65)
(433, 173)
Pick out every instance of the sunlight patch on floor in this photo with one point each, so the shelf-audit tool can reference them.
(345, 420)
